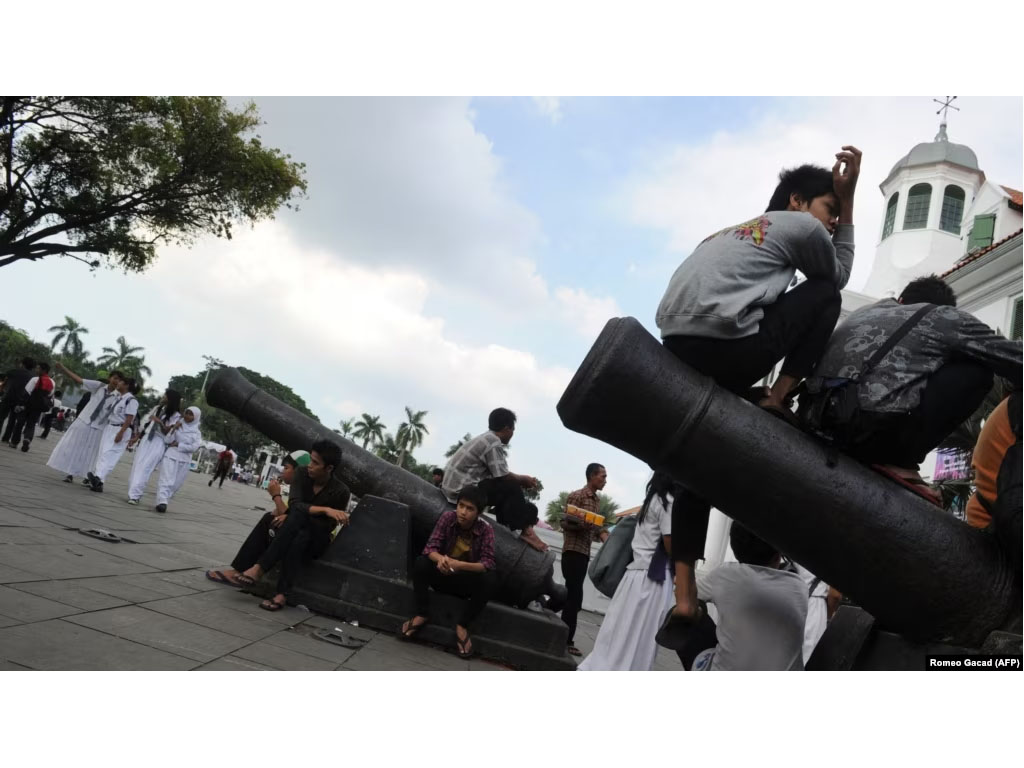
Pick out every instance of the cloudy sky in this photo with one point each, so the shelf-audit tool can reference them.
(459, 254)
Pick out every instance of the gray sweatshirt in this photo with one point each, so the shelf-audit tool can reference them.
(719, 291)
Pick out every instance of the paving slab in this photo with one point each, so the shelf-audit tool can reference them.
(235, 664)
(66, 561)
(218, 615)
(10, 516)
(61, 645)
(25, 607)
(123, 587)
(372, 661)
(195, 579)
(163, 632)
(10, 666)
(277, 657)
(7, 621)
(304, 643)
(10, 575)
(72, 593)
(415, 652)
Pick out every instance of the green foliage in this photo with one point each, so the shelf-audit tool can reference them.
(453, 449)
(70, 333)
(124, 358)
(222, 427)
(410, 433)
(369, 429)
(533, 494)
(555, 510)
(117, 176)
(16, 344)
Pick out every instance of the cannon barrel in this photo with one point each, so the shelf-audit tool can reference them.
(917, 569)
(524, 574)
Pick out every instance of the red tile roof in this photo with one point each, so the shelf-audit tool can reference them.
(978, 254)
(1015, 196)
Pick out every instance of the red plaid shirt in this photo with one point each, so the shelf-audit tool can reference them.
(447, 529)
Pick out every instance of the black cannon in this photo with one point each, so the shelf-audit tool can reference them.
(524, 574)
(920, 572)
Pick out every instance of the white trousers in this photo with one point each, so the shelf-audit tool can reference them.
(173, 472)
(148, 455)
(110, 452)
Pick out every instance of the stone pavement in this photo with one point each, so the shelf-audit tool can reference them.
(72, 602)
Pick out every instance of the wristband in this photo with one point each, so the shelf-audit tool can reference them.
(275, 496)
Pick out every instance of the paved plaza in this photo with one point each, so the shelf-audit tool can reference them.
(72, 602)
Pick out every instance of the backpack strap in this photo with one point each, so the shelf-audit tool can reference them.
(814, 585)
(902, 331)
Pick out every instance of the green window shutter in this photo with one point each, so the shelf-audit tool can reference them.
(1015, 321)
(981, 234)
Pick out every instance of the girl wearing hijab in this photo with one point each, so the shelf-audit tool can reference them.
(184, 439)
(626, 638)
(152, 441)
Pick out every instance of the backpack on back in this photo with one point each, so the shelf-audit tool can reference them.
(609, 566)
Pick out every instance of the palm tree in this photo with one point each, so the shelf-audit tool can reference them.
(369, 429)
(120, 357)
(387, 448)
(410, 433)
(71, 334)
(346, 427)
(452, 450)
(555, 510)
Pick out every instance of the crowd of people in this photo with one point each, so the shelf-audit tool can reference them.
(886, 387)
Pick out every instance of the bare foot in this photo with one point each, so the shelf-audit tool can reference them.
(531, 538)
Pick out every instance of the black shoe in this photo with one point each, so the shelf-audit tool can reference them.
(24, 446)
(13, 444)
(161, 508)
(69, 479)
(97, 486)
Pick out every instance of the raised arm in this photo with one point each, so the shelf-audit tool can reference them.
(70, 374)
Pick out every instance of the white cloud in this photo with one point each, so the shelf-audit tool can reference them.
(693, 189)
(586, 314)
(549, 106)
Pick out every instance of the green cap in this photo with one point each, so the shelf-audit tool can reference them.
(301, 458)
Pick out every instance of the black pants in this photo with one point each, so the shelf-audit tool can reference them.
(796, 327)
(7, 413)
(950, 396)
(477, 588)
(574, 571)
(25, 426)
(255, 544)
(511, 509)
(221, 473)
(295, 543)
(46, 423)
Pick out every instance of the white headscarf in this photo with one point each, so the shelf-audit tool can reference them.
(193, 428)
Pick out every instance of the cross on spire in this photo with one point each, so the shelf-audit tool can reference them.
(943, 110)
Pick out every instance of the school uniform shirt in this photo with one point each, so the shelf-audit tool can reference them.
(126, 405)
(761, 617)
(657, 523)
(101, 400)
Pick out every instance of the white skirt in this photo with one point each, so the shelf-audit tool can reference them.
(626, 638)
(147, 457)
(76, 452)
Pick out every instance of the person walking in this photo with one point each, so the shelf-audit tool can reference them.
(114, 440)
(175, 465)
(578, 535)
(75, 454)
(152, 442)
(225, 460)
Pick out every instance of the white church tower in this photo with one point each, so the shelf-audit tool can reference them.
(927, 193)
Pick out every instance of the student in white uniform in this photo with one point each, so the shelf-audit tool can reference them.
(626, 638)
(761, 609)
(174, 467)
(817, 610)
(116, 434)
(152, 441)
(75, 454)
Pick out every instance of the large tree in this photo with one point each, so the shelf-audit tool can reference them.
(369, 429)
(114, 177)
(70, 333)
(220, 426)
(410, 433)
(125, 358)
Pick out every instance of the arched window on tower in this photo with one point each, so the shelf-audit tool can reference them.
(918, 200)
(890, 215)
(952, 209)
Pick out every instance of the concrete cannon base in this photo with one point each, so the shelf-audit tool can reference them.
(364, 576)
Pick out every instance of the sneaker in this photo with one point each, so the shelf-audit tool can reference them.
(133, 502)
(161, 508)
(24, 446)
(97, 486)
(210, 484)
(69, 479)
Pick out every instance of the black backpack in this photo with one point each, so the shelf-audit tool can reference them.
(834, 412)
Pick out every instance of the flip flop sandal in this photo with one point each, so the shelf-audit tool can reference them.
(337, 636)
(272, 606)
(921, 488)
(460, 646)
(241, 580)
(574, 651)
(99, 533)
(408, 632)
(220, 578)
(675, 629)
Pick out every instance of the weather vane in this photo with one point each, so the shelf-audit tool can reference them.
(946, 106)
